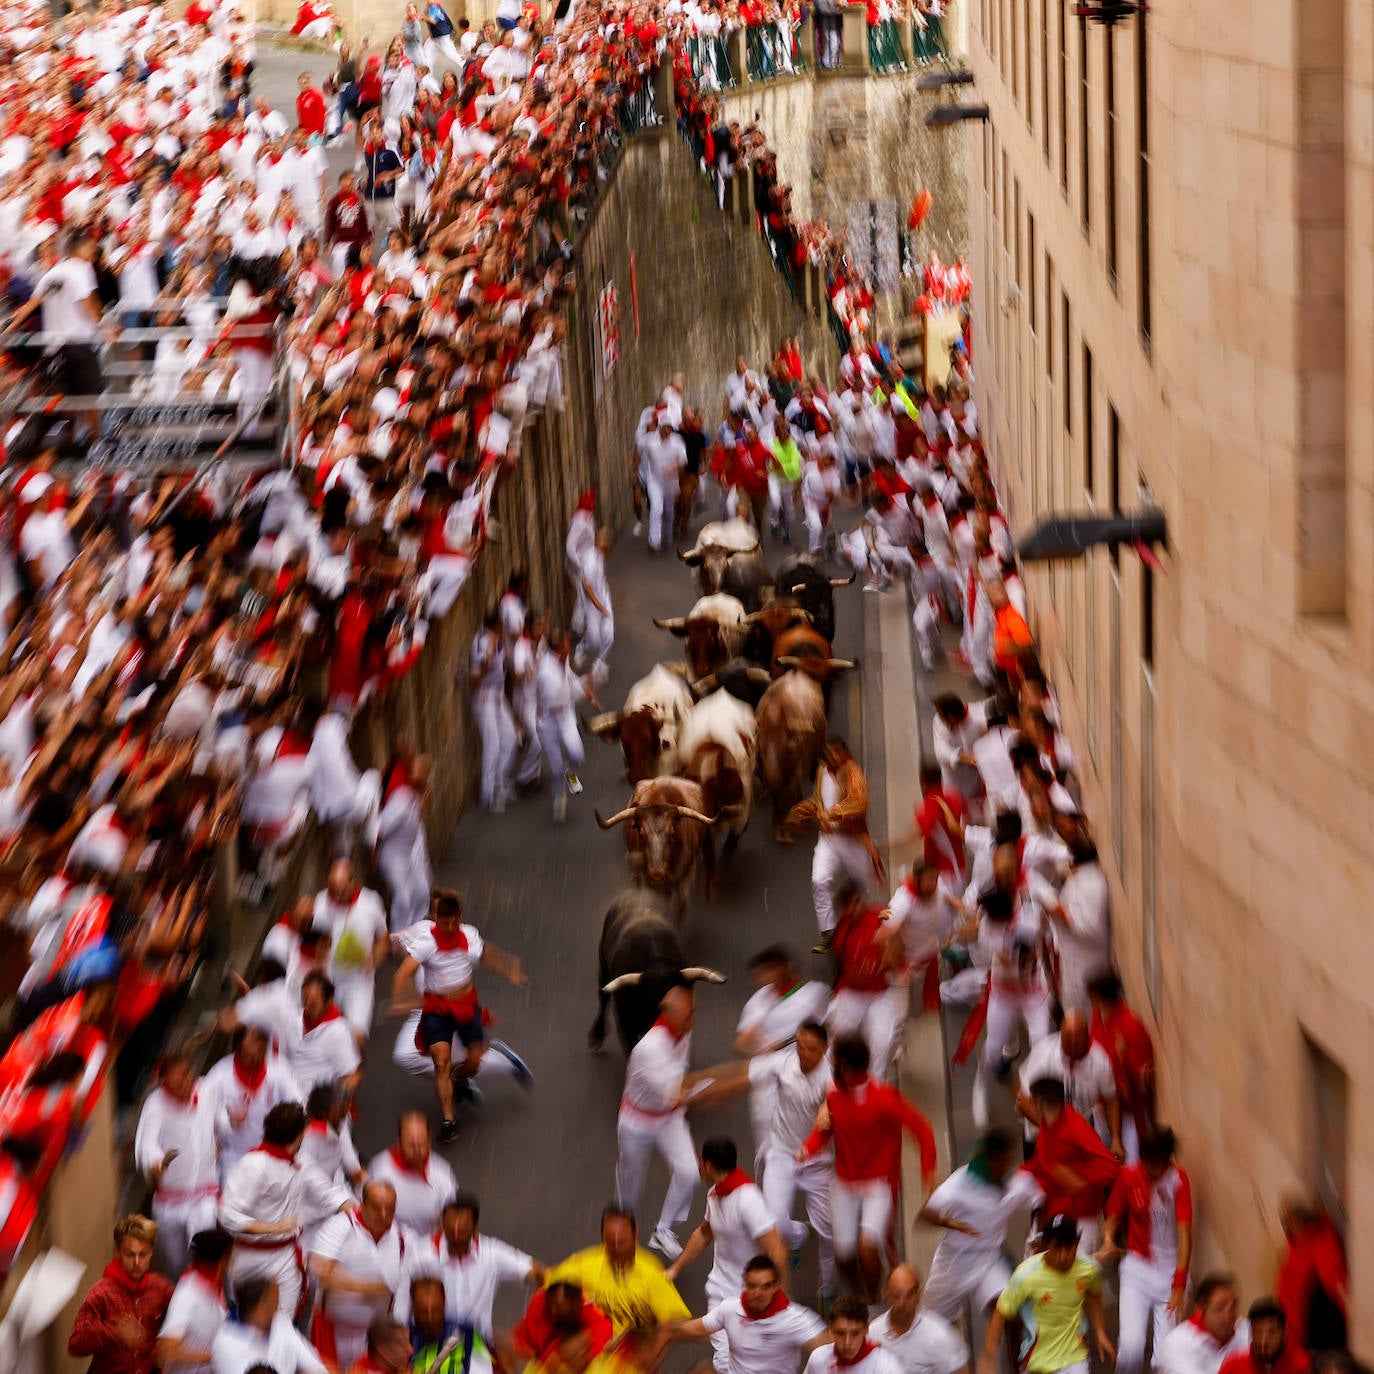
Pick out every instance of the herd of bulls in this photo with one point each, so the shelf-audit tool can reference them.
(746, 710)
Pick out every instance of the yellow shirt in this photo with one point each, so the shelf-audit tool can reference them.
(635, 1298)
(1054, 1315)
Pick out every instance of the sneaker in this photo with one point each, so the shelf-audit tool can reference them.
(574, 784)
(465, 1090)
(822, 946)
(638, 529)
(520, 1071)
(666, 1243)
(448, 1131)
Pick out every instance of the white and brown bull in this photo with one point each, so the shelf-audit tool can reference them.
(792, 724)
(639, 957)
(718, 749)
(647, 726)
(667, 831)
(715, 630)
(720, 543)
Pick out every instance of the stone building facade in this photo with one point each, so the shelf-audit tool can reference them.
(1173, 243)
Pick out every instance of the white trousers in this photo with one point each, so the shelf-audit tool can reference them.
(282, 1264)
(783, 1178)
(837, 856)
(562, 744)
(817, 519)
(408, 882)
(638, 1137)
(949, 1286)
(1144, 1299)
(496, 726)
(1006, 1010)
(356, 995)
(595, 649)
(662, 494)
(527, 713)
(177, 1221)
(877, 1016)
(925, 622)
(860, 1210)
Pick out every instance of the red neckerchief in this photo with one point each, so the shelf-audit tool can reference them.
(405, 1168)
(330, 1013)
(276, 1151)
(732, 1181)
(446, 944)
(114, 1271)
(398, 778)
(865, 1351)
(775, 1305)
(252, 1081)
(663, 1021)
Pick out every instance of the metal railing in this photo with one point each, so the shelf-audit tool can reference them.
(710, 62)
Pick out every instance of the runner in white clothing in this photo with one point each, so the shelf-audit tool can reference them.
(263, 1336)
(974, 1206)
(763, 1332)
(356, 920)
(423, 1180)
(242, 1088)
(448, 952)
(739, 1224)
(472, 1266)
(652, 1117)
(326, 1050)
(850, 1349)
(557, 689)
(174, 1149)
(197, 1310)
(359, 1260)
(1082, 1066)
(599, 631)
(269, 1199)
(920, 1342)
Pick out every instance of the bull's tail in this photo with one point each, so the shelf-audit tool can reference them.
(596, 1036)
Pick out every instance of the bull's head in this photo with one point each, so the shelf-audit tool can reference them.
(822, 669)
(705, 647)
(643, 739)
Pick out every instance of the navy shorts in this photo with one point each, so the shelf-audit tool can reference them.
(439, 1028)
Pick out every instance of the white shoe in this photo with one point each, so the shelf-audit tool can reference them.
(638, 529)
(666, 1243)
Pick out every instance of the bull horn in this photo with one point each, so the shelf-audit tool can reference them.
(706, 686)
(789, 661)
(698, 975)
(695, 815)
(844, 581)
(840, 665)
(753, 618)
(692, 556)
(603, 724)
(626, 980)
(760, 675)
(677, 624)
(615, 820)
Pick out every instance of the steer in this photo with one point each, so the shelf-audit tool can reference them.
(647, 725)
(792, 725)
(807, 649)
(717, 748)
(718, 545)
(714, 630)
(765, 626)
(666, 831)
(638, 959)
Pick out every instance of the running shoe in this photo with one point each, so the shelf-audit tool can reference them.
(520, 1071)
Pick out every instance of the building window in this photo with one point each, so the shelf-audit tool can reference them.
(1062, 24)
(1089, 436)
(1142, 175)
(1066, 366)
(1084, 121)
(1321, 344)
(1328, 1143)
(1109, 134)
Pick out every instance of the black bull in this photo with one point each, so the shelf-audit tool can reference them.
(641, 955)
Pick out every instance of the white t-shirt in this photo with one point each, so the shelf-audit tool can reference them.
(1086, 1081)
(47, 541)
(355, 928)
(988, 1209)
(446, 970)
(796, 1096)
(773, 1019)
(195, 1315)
(764, 1345)
(877, 1361)
(653, 1075)
(346, 1240)
(471, 1280)
(738, 1221)
(930, 1345)
(64, 290)
(324, 1055)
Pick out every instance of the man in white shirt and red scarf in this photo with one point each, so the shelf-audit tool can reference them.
(423, 1180)
(740, 1224)
(242, 1088)
(269, 1199)
(174, 1149)
(359, 1260)
(448, 951)
(852, 1350)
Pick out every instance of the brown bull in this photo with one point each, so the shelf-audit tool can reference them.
(806, 649)
(792, 725)
(714, 629)
(667, 832)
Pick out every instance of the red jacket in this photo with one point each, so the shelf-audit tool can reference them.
(310, 110)
(1292, 1360)
(1127, 1042)
(536, 1335)
(112, 1297)
(1313, 1260)
(860, 946)
(866, 1123)
(1070, 1143)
